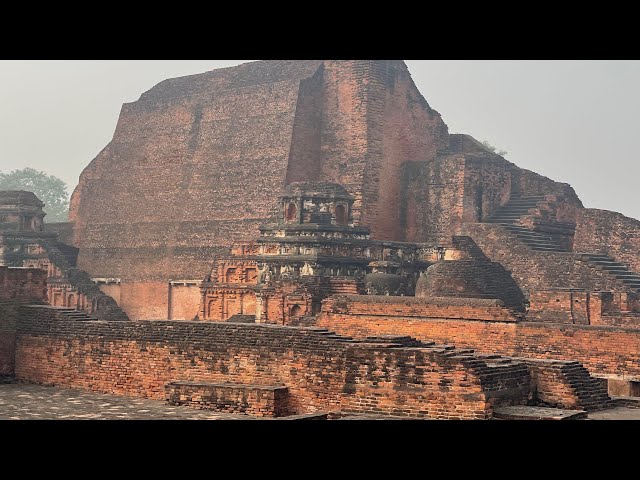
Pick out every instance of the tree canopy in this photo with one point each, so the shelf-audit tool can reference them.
(493, 149)
(48, 188)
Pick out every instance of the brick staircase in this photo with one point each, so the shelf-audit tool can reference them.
(566, 384)
(64, 257)
(75, 315)
(589, 390)
(508, 217)
(619, 271)
(515, 208)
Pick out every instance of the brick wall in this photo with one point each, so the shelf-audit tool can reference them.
(184, 301)
(8, 316)
(610, 233)
(23, 284)
(604, 350)
(431, 205)
(17, 286)
(536, 270)
(322, 371)
(569, 306)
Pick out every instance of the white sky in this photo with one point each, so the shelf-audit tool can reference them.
(573, 121)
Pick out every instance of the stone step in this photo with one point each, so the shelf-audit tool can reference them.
(525, 231)
(521, 210)
(512, 211)
(521, 412)
(614, 268)
(519, 206)
(523, 201)
(535, 241)
(628, 278)
(518, 228)
(534, 238)
(630, 281)
(505, 218)
(606, 263)
(543, 246)
(518, 231)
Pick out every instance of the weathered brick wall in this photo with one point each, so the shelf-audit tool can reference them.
(431, 205)
(536, 270)
(610, 233)
(8, 317)
(604, 350)
(568, 306)
(23, 284)
(619, 319)
(304, 157)
(184, 301)
(17, 286)
(145, 299)
(487, 185)
(322, 371)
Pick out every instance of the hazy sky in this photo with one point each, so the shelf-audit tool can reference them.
(573, 121)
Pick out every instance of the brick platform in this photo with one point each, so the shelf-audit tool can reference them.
(257, 400)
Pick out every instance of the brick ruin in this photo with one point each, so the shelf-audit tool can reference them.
(273, 370)
(311, 252)
(24, 242)
(290, 237)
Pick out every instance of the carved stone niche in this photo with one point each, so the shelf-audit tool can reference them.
(321, 203)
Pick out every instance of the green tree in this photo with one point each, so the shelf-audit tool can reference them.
(493, 149)
(48, 188)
